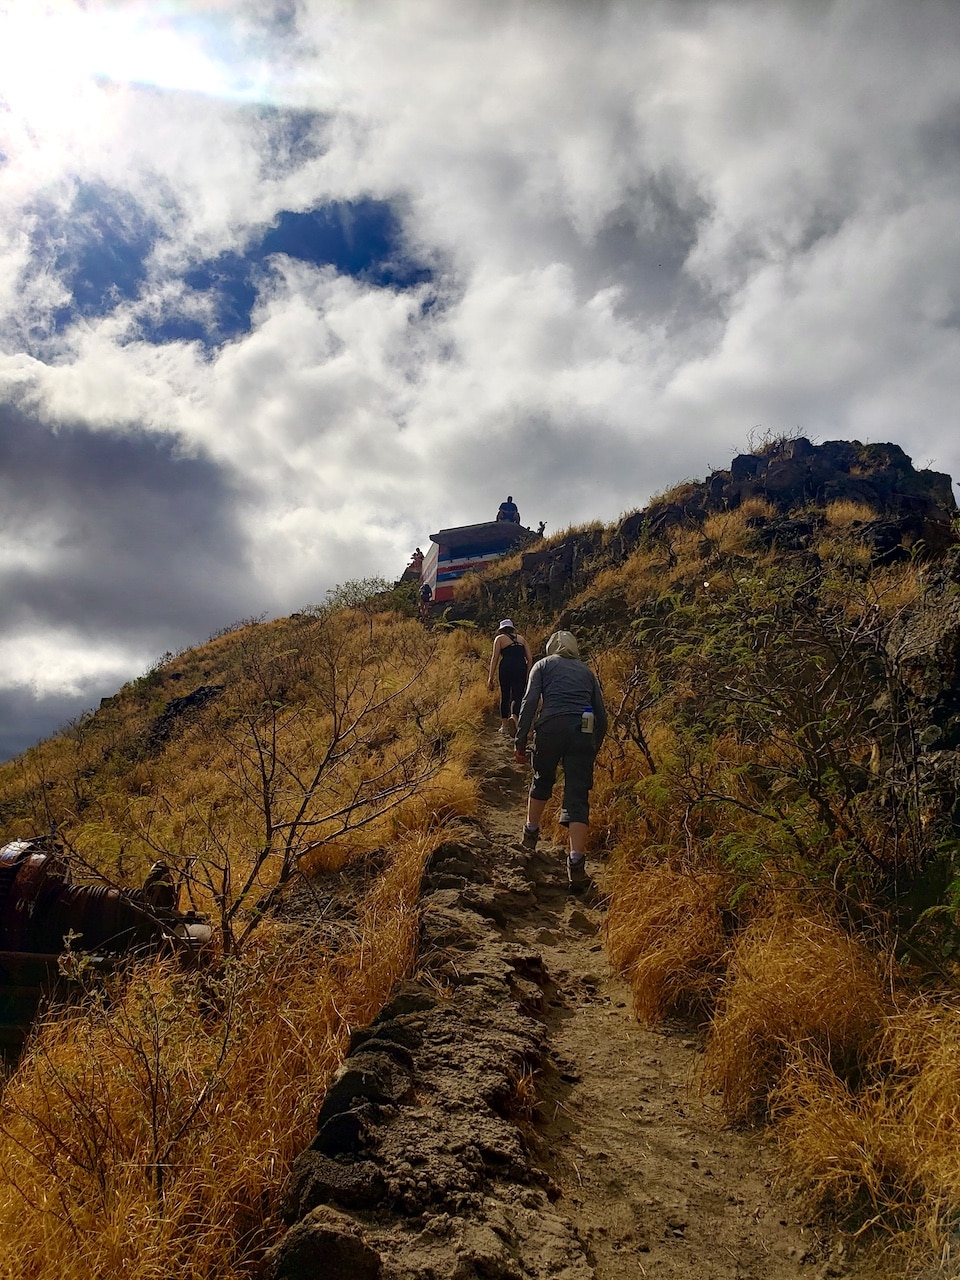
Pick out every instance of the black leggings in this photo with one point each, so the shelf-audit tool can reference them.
(513, 684)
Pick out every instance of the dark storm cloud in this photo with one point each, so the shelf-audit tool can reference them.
(26, 719)
(125, 536)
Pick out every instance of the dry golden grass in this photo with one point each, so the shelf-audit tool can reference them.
(753, 507)
(889, 1153)
(729, 533)
(330, 856)
(586, 526)
(677, 495)
(839, 1151)
(639, 578)
(451, 794)
(199, 798)
(665, 933)
(794, 979)
(886, 1156)
(894, 587)
(603, 584)
(920, 1054)
(470, 587)
(847, 552)
(643, 576)
(150, 1137)
(690, 558)
(845, 512)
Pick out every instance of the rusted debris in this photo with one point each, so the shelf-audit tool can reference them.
(43, 914)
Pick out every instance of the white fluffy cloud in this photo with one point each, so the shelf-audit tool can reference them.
(650, 229)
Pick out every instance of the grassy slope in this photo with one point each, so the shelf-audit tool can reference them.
(758, 799)
(150, 1132)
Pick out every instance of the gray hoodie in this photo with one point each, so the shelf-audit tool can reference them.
(560, 686)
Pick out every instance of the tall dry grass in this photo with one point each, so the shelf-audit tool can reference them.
(149, 1135)
(894, 587)
(639, 579)
(325, 723)
(846, 511)
(845, 550)
(729, 532)
(888, 1153)
(664, 931)
(796, 982)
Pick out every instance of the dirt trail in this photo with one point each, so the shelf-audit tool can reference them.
(507, 1118)
(653, 1181)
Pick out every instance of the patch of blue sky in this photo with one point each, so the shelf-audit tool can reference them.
(100, 247)
(361, 239)
(97, 248)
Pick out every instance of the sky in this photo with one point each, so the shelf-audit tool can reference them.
(287, 285)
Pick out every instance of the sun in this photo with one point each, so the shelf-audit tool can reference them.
(41, 64)
(59, 58)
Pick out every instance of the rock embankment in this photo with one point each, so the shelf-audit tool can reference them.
(420, 1165)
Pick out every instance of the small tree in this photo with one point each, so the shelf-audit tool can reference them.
(313, 740)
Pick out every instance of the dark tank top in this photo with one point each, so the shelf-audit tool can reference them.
(512, 657)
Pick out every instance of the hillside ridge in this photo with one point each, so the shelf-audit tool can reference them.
(904, 510)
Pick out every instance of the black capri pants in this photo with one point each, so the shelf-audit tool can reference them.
(560, 743)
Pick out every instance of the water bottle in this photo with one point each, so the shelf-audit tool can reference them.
(586, 720)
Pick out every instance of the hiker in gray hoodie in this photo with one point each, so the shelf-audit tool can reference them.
(570, 727)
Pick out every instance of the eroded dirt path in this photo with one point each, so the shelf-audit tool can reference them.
(650, 1176)
(507, 1118)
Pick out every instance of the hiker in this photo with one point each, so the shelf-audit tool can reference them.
(414, 570)
(426, 596)
(570, 728)
(509, 511)
(511, 660)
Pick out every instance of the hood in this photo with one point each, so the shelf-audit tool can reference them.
(563, 643)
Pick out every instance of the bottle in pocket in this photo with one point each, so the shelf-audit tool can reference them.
(586, 720)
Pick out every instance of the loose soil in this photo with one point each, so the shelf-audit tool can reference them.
(506, 1116)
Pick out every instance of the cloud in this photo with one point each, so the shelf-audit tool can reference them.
(113, 536)
(26, 718)
(283, 288)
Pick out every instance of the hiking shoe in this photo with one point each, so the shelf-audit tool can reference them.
(530, 837)
(577, 872)
(563, 818)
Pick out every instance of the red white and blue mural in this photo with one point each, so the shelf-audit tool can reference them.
(454, 552)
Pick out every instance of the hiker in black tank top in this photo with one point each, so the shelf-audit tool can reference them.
(511, 660)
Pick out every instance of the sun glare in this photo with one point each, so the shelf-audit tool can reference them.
(56, 59)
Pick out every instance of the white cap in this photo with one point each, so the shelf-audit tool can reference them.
(504, 624)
